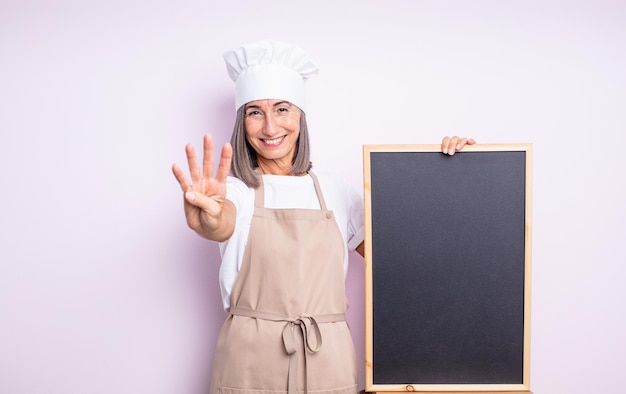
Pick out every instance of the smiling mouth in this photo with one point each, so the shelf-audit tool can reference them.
(273, 141)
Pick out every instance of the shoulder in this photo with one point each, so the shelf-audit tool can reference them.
(238, 192)
(330, 178)
(335, 188)
(332, 181)
(232, 181)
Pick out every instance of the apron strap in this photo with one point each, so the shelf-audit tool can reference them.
(309, 326)
(259, 195)
(318, 190)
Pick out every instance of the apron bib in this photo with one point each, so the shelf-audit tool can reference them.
(286, 332)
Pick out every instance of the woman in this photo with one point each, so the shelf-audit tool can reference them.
(284, 233)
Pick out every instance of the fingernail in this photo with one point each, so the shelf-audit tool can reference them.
(190, 196)
(445, 151)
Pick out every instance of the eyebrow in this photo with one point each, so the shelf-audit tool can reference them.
(274, 105)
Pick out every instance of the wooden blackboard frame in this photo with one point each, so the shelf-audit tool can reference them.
(372, 385)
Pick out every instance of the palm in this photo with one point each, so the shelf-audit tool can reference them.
(215, 191)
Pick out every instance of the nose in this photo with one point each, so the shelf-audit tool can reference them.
(270, 127)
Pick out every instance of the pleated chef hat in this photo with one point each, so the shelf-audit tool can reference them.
(269, 70)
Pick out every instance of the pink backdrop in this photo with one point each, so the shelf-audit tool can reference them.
(103, 289)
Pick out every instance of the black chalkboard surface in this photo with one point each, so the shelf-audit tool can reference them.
(448, 268)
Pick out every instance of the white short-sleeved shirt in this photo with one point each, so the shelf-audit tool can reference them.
(283, 192)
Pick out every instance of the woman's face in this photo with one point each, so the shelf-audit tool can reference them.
(272, 128)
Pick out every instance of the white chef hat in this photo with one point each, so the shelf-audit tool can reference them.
(269, 70)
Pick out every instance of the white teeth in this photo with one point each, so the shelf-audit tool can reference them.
(275, 141)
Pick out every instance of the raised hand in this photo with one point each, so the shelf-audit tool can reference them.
(207, 211)
(450, 145)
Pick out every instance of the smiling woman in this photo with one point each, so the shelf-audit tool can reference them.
(246, 162)
(285, 235)
(272, 129)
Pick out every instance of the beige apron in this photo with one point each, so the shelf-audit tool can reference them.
(287, 330)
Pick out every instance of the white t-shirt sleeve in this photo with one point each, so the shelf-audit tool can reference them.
(356, 221)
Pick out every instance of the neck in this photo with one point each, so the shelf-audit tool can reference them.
(274, 167)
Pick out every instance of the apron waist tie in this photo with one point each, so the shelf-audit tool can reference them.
(309, 327)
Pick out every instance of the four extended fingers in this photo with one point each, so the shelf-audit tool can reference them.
(207, 164)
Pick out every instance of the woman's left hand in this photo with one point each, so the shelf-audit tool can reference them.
(451, 145)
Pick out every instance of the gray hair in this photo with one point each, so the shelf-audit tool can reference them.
(245, 163)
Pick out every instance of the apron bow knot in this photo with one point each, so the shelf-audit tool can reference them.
(309, 327)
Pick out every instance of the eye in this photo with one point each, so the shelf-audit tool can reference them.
(253, 112)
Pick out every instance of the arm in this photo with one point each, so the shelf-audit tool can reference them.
(207, 210)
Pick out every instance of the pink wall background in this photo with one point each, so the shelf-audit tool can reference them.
(103, 289)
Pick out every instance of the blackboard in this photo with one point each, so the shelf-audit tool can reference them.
(447, 268)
